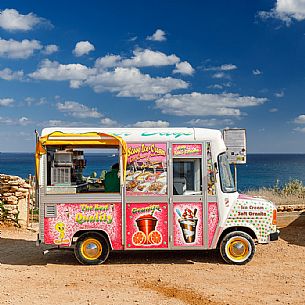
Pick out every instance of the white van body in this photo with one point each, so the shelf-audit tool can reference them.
(177, 181)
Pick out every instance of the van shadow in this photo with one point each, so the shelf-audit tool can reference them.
(294, 233)
(26, 253)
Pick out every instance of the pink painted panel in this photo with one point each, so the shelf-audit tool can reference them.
(213, 219)
(146, 169)
(74, 217)
(187, 150)
(188, 226)
(146, 225)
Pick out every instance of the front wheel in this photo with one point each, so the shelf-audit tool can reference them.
(237, 248)
(92, 249)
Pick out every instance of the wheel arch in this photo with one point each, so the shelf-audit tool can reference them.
(234, 229)
(101, 232)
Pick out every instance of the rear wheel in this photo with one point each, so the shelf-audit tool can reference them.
(237, 248)
(92, 248)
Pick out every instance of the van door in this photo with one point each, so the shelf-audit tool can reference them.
(146, 208)
(187, 195)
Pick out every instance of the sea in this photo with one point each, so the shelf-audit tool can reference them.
(261, 170)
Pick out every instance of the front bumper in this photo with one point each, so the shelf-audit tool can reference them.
(275, 235)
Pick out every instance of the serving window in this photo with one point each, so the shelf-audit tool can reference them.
(187, 176)
(72, 169)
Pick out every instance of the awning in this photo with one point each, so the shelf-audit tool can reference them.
(88, 139)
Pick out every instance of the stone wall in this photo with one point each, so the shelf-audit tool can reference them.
(15, 196)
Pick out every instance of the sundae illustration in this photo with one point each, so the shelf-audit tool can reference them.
(188, 224)
(147, 233)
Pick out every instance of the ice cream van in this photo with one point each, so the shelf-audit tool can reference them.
(102, 190)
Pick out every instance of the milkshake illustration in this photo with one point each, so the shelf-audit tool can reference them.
(188, 224)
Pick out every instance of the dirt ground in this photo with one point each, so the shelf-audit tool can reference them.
(276, 275)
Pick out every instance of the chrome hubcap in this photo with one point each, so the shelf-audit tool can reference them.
(92, 250)
(238, 249)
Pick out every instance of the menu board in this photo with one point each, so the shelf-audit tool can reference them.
(146, 169)
(235, 140)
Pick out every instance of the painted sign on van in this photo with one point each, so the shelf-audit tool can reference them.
(146, 169)
(71, 218)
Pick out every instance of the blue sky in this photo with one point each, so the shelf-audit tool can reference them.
(209, 64)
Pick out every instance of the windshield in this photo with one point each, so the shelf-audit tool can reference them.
(226, 179)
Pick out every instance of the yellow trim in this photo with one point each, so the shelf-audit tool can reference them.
(84, 245)
(88, 138)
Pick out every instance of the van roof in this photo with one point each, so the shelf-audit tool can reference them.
(147, 134)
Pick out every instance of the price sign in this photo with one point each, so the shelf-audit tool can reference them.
(235, 140)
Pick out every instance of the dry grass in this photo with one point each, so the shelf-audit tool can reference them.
(291, 193)
(276, 198)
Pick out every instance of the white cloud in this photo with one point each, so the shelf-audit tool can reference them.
(130, 82)
(134, 38)
(12, 20)
(220, 75)
(4, 102)
(5, 121)
(159, 35)
(57, 123)
(18, 49)
(78, 110)
(8, 74)
(299, 129)
(215, 86)
(108, 61)
(228, 67)
(202, 104)
(210, 122)
(272, 110)
(151, 124)
(30, 101)
(184, 68)
(82, 48)
(300, 119)
(50, 49)
(220, 86)
(286, 10)
(224, 67)
(23, 121)
(107, 122)
(257, 72)
(279, 94)
(113, 74)
(147, 58)
(52, 70)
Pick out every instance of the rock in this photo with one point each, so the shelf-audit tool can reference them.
(13, 183)
(9, 206)
(20, 194)
(11, 198)
(26, 185)
(7, 194)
